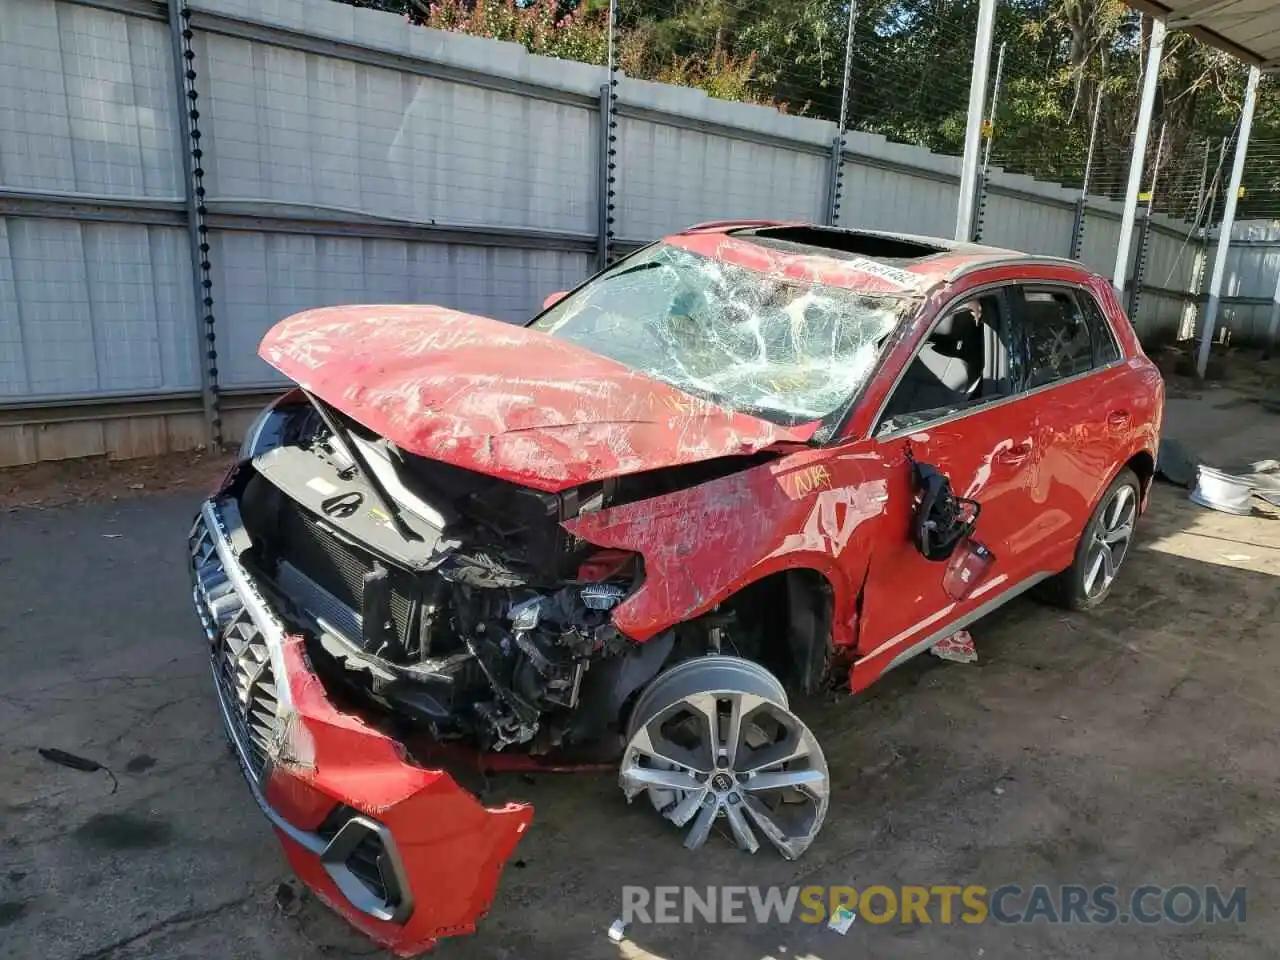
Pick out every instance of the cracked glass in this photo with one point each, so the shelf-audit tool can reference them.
(787, 350)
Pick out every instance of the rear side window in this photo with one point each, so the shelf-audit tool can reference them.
(1055, 337)
(1105, 348)
(1062, 333)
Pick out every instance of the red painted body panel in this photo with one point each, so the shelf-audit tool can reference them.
(812, 509)
(503, 400)
(1037, 464)
(452, 847)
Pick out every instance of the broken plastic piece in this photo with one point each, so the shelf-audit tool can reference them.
(601, 596)
(73, 762)
(942, 520)
(841, 920)
(62, 758)
(957, 648)
(966, 568)
(525, 615)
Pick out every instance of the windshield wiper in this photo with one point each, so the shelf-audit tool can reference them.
(343, 436)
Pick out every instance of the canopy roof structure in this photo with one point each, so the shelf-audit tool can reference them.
(1247, 29)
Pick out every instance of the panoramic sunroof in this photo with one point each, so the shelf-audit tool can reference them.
(844, 241)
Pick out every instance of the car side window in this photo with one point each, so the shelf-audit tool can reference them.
(961, 364)
(1106, 349)
(1055, 337)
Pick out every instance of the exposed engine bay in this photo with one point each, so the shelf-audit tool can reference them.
(454, 599)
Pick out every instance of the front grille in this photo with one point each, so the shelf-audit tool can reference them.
(240, 657)
(339, 568)
(244, 672)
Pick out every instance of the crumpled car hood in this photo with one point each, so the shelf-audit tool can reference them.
(503, 400)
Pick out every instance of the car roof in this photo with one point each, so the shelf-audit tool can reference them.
(933, 259)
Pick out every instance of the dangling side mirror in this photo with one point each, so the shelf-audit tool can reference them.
(553, 299)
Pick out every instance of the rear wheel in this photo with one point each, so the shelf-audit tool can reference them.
(1103, 546)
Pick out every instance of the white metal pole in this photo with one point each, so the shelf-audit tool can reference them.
(973, 128)
(1140, 133)
(1228, 220)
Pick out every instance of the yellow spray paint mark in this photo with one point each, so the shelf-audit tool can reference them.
(809, 480)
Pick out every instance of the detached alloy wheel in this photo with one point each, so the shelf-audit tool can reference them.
(1103, 546)
(712, 741)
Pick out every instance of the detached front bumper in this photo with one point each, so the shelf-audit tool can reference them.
(402, 852)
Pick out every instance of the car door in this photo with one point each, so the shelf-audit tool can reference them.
(986, 447)
(1074, 376)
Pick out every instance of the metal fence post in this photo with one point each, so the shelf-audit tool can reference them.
(1144, 233)
(1077, 224)
(1139, 265)
(980, 199)
(835, 176)
(1077, 229)
(970, 162)
(608, 160)
(991, 112)
(1274, 325)
(184, 72)
(979, 207)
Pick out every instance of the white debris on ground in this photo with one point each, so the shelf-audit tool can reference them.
(958, 648)
(841, 920)
(617, 930)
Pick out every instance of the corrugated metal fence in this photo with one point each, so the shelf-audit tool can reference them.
(339, 156)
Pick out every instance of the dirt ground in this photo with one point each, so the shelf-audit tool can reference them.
(61, 483)
(1136, 743)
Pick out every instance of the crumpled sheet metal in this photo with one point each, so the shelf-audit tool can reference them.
(855, 273)
(702, 544)
(503, 400)
(452, 847)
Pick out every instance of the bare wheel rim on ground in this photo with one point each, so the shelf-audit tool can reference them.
(1110, 540)
(712, 741)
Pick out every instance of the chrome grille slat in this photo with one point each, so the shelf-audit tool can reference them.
(240, 655)
(246, 653)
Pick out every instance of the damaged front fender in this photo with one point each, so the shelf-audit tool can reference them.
(447, 848)
(810, 510)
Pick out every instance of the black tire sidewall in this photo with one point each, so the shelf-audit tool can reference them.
(1076, 598)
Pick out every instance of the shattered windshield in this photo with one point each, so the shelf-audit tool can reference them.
(788, 350)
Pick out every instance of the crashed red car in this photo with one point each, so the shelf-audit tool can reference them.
(749, 459)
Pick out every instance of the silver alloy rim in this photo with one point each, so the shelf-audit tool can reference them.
(1109, 543)
(712, 741)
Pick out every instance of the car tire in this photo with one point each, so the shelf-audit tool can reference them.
(1103, 546)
